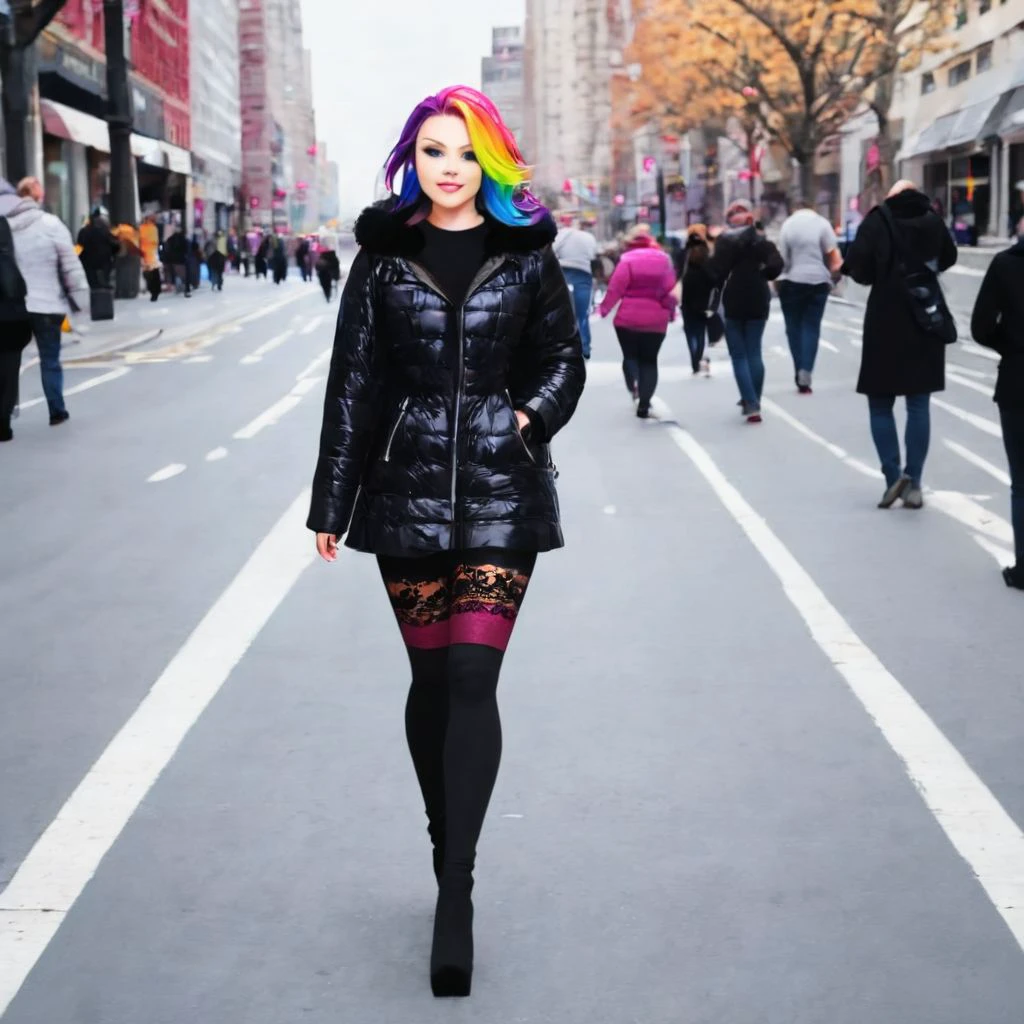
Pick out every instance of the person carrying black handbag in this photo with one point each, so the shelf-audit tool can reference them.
(900, 249)
(15, 325)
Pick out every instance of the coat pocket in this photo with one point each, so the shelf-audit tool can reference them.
(519, 433)
(394, 430)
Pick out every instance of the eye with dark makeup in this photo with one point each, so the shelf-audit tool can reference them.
(469, 155)
(431, 151)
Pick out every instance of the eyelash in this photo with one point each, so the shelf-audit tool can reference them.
(434, 151)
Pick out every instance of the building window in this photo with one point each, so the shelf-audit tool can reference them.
(961, 13)
(960, 73)
(984, 6)
(984, 61)
(927, 83)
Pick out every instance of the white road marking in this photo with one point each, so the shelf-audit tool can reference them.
(973, 819)
(840, 453)
(964, 382)
(84, 386)
(977, 350)
(964, 271)
(609, 510)
(988, 426)
(267, 310)
(312, 325)
(217, 454)
(980, 374)
(174, 469)
(976, 460)
(778, 350)
(842, 327)
(316, 364)
(304, 385)
(67, 855)
(1004, 556)
(199, 359)
(856, 343)
(268, 346)
(828, 345)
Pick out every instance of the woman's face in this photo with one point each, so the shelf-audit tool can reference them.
(445, 164)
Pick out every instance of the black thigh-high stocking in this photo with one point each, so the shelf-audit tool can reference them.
(426, 722)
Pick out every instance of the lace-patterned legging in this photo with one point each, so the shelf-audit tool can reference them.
(456, 612)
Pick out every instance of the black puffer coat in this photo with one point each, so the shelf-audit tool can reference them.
(998, 322)
(898, 357)
(420, 448)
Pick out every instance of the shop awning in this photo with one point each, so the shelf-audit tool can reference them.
(931, 138)
(1012, 119)
(67, 123)
(970, 122)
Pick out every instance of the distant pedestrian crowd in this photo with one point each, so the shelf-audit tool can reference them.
(721, 282)
(45, 276)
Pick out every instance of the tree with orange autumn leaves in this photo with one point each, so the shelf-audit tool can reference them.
(796, 70)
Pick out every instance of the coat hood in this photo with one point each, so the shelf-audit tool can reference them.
(9, 198)
(385, 231)
(909, 205)
(20, 213)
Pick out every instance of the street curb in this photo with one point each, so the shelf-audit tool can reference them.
(124, 346)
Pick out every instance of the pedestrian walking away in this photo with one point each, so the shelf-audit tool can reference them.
(642, 287)
(262, 256)
(149, 243)
(998, 323)
(745, 261)
(176, 257)
(435, 451)
(576, 251)
(15, 325)
(279, 260)
(99, 247)
(810, 251)
(697, 286)
(899, 356)
(216, 261)
(328, 271)
(55, 284)
(302, 251)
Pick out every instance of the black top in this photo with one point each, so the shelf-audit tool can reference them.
(998, 322)
(746, 261)
(452, 258)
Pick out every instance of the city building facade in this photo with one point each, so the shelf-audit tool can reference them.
(74, 153)
(216, 113)
(501, 76)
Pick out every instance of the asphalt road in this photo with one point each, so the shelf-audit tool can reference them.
(764, 752)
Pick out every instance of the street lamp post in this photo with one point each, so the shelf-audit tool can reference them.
(122, 163)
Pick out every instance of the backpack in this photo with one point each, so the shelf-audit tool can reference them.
(921, 286)
(12, 284)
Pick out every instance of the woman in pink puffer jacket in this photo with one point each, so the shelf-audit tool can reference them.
(642, 287)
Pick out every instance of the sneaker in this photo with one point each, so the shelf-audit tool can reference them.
(803, 382)
(894, 492)
(705, 365)
(59, 417)
(912, 497)
(1013, 576)
(753, 414)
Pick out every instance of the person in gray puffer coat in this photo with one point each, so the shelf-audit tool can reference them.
(54, 279)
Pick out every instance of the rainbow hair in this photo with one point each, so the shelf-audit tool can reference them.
(503, 190)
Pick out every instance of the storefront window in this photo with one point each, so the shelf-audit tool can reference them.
(960, 73)
(984, 60)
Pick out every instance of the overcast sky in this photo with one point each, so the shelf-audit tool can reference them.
(374, 60)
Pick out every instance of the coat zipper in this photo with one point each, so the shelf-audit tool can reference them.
(519, 432)
(394, 429)
(482, 274)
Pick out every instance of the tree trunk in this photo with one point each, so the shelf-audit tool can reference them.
(122, 163)
(806, 165)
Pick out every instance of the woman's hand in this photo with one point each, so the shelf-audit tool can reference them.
(522, 420)
(327, 546)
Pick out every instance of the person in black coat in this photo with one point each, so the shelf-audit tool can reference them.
(328, 270)
(745, 261)
(262, 256)
(279, 260)
(99, 247)
(898, 356)
(998, 323)
(457, 360)
(697, 285)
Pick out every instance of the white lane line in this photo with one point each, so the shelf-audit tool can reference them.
(316, 364)
(842, 327)
(304, 385)
(964, 382)
(973, 819)
(856, 342)
(828, 345)
(267, 310)
(1004, 556)
(67, 855)
(216, 455)
(280, 408)
(974, 349)
(840, 453)
(979, 374)
(778, 350)
(312, 325)
(174, 469)
(268, 346)
(980, 422)
(198, 359)
(84, 386)
(976, 460)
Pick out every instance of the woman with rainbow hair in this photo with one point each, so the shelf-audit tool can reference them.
(456, 361)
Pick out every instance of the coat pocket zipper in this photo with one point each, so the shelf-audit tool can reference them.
(519, 433)
(394, 429)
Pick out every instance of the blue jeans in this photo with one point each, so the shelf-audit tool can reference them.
(46, 328)
(695, 327)
(803, 306)
(743, 338)
(887, 441)
(582, 285)
(1013, 438)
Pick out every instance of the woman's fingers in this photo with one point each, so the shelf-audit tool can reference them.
(327, 546)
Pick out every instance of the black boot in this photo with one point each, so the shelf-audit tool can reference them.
(1014, 576)
(451, 957)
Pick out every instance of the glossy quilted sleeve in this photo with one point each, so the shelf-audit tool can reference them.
(558, 370)
(349, 406)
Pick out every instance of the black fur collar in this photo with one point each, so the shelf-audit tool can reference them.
(383, 231)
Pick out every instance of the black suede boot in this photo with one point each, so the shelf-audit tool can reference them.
(451, 957)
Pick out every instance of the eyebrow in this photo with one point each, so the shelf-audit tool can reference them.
(436, 143)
